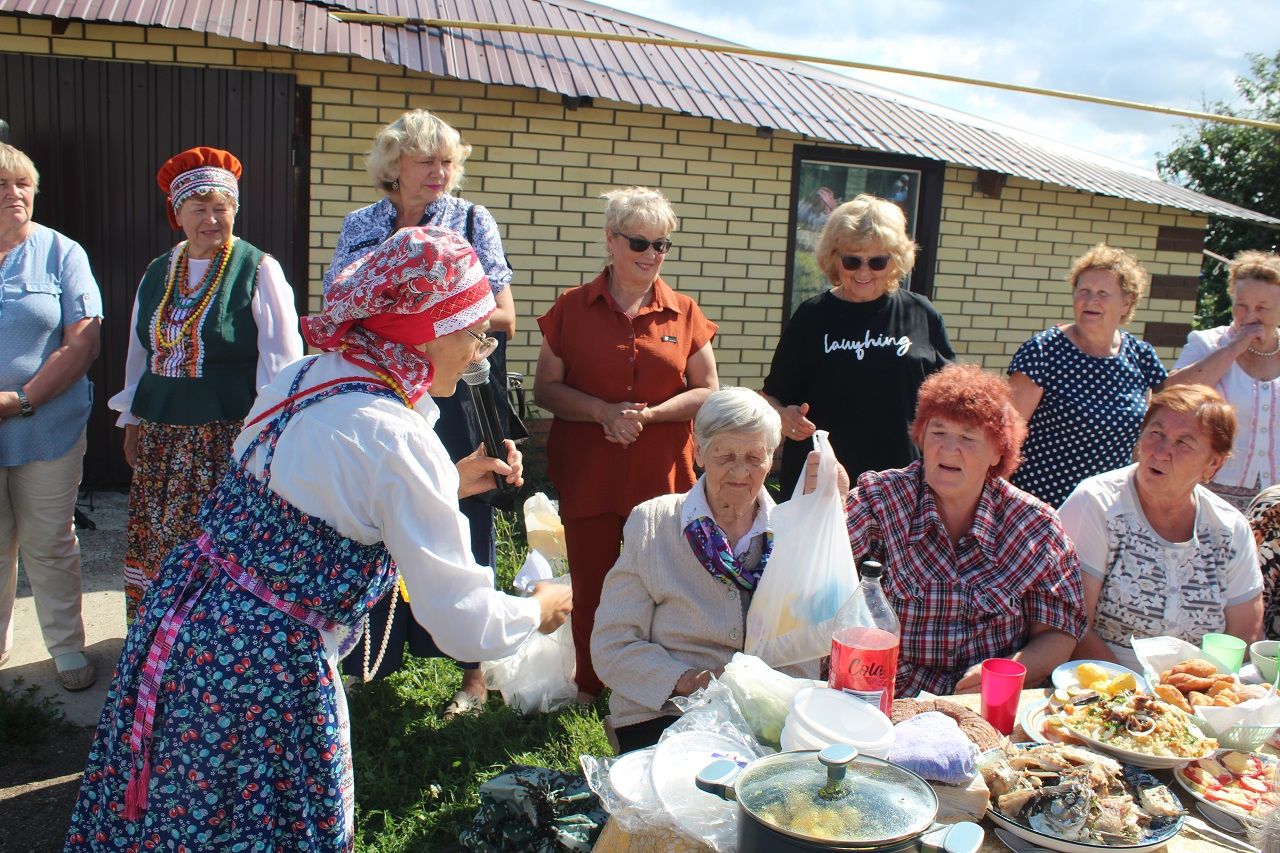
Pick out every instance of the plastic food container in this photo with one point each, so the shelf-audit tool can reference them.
(821, 716)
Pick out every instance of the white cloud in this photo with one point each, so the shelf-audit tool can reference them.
(1180, 54)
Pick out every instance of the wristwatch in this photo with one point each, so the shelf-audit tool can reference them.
(24, 405)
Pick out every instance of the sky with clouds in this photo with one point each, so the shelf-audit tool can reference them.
(1174, 53)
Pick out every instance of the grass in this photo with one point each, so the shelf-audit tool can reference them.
(417, 777)
(27, 719)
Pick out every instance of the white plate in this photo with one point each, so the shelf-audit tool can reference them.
(629, 777)
(1032, 720)
(1137, 759)
(1061, 844)
(1226, 808)
(1065, 675)
(676, 763)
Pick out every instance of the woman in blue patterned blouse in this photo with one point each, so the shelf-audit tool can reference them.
(417, 161)
(1083, 386)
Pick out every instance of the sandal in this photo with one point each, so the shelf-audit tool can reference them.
(462, 703)
(78, 679)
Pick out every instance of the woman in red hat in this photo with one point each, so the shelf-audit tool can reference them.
(226, 725)
(214, 321)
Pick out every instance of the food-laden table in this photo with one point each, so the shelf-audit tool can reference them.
(1190, 840)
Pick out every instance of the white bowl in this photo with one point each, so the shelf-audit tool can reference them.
(830, 716)
(794, 737)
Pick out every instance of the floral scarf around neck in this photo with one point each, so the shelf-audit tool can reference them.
(712, 549)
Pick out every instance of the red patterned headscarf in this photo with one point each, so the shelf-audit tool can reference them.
(197, 171)
(419, 285)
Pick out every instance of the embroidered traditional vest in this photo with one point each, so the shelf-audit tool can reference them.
(210, 374)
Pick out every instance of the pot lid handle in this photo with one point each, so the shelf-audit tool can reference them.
(836, 758)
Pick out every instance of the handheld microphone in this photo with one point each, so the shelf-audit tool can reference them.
(476, 376)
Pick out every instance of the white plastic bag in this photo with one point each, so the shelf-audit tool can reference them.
(539, 677)
(809, 576)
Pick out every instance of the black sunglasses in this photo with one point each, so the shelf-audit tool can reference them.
(639, 244)
(854, 262)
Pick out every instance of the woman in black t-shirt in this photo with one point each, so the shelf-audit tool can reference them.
(852, 359)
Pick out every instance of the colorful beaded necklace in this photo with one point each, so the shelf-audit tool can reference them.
(172, 302)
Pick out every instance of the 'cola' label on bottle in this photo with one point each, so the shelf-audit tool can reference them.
(864, 663)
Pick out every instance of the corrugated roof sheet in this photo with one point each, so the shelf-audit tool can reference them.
(745, 90)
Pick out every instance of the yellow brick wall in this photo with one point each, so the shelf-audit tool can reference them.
(540, 168)
(1002, 263)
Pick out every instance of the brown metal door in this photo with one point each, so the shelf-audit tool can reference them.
(98, 132)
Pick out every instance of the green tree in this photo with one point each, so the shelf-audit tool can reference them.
(1236, 164)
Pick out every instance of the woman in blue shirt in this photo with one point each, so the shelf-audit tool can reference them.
(1083, 386)
(50, 317)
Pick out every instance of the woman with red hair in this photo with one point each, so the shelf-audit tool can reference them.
(974, 567)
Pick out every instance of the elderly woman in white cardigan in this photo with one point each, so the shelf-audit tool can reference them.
(673, 609)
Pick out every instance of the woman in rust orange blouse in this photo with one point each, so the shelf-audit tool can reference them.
(625, 364)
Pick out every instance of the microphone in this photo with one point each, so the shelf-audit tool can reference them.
(476, 376)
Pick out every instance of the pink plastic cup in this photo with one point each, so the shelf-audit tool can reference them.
(1001, 689)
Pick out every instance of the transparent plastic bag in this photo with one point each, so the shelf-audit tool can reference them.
(711, 727)
(545, 531)
(763, 695)
(810, 574)
(625, 788)
(539, 677)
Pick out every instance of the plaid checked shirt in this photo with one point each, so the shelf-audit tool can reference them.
(960, 605)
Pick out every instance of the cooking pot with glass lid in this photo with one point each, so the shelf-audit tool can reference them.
(835, 799)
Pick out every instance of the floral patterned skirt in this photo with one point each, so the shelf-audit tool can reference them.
(251, 747)
(177, 468)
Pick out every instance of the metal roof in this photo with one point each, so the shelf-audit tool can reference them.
(759, 92)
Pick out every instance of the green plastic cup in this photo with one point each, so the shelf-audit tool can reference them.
(1224, 650)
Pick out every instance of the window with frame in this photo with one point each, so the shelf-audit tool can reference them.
(824, 178)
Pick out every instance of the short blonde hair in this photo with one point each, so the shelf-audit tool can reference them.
(14, 162)
(1256, 266)
(634, 207)
(1132, 276)
(866, 221)
(415, 132)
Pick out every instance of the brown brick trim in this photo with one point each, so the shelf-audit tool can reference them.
(1167, 334)
(1174, 286)
(1173, 239)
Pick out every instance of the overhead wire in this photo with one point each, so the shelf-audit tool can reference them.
(739, 50)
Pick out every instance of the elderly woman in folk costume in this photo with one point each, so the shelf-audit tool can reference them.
(340, 483)
(214, 321)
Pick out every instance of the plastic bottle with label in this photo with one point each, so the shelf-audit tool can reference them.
(865, 642)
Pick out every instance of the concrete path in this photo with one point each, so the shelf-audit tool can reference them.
(102, 563)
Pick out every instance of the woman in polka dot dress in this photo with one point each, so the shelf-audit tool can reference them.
(1083, 387)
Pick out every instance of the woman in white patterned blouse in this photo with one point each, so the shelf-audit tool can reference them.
(1162, 555)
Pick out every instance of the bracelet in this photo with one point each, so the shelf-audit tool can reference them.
(24, 405)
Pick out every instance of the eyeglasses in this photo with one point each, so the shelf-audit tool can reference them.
(878, 263)
(488, 345)
(640, 244)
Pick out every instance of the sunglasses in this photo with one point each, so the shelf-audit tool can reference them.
(640, 244)
(488, 345)
(879, 263)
